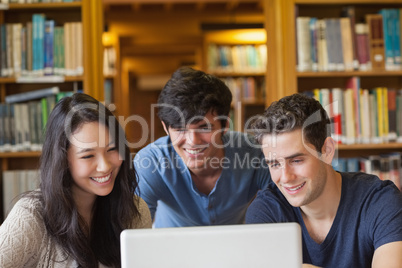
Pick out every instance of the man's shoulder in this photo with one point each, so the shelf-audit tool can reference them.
(161, 146)
(364, 181)
(369, 187)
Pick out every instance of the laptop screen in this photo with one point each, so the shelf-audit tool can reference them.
(225, 246)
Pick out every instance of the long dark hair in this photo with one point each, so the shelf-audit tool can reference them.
(100, 242)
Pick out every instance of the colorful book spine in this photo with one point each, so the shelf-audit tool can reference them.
(48, 47)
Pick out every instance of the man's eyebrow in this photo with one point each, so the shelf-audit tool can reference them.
(271, 161)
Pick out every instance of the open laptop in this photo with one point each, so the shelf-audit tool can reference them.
(274, 245)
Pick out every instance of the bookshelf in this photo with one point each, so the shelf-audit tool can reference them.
(85, 12)
(238, 57)
(287, 77)
(111, 68)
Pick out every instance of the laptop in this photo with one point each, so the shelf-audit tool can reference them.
(274, 245)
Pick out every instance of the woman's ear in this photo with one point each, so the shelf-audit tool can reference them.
(328, 150)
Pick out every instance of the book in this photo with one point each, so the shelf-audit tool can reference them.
(313, 42)
(397, 38)
(350, 12)
(374, 132)
(354, 84)
(339, 54)
(31, 95)
(10, 191)
(322, 51)
(16, 182)
(24, 68)
(303, 44)
(339, 114)
(365, 118)
(376, 41)
(79, 51)
(350, 130)
(48, 47)
(362, 42)
(332, 44)
(347, 43)
(29, 47)
(388, 29)
(38, 28)
(3, 40)
(16, 50)
(392, 123)
(9, 49)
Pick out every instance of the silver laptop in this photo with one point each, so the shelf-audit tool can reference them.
(274, 245)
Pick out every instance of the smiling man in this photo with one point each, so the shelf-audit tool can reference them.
(347, 219)
(200, 173)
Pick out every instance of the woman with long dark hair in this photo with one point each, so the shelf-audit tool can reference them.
(86, 196)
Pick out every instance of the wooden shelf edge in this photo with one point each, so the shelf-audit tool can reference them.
(391, 145)
(11, 80)
(45, 5)
(348, 74)
(236, 74)
(345, 2)
(20, 154)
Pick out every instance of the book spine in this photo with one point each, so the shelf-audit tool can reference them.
(3, 34)
(396, 38)
(376, 41)
(387, 27)
(322, 46)
(30, 95)
(48, 47)
(392, 136)
(303, 44)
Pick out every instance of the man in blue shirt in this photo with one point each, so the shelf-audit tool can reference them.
(200, 174)
(347, 219)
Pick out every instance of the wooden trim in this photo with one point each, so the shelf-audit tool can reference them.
(349, 74)
(346, 2)
(371, 146)
(45, 5)
(92, 19)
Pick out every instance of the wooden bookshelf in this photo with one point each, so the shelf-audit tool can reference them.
(245, 103)
(284, 79)
(90, 14)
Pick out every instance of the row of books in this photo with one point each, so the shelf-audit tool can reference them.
(386, 167)
(338, 44)
(23, 119)
(16, 182)
(362, 115)
(246, 88)
(41, 47)
(237, 58)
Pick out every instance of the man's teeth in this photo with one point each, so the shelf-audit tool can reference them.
(297, 188)
(101, 179)
(194, 151)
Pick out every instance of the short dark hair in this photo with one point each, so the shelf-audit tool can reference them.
(297, 111)
(190, 94)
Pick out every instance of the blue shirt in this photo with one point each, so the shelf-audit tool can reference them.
(369, 215)
(165, 184)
